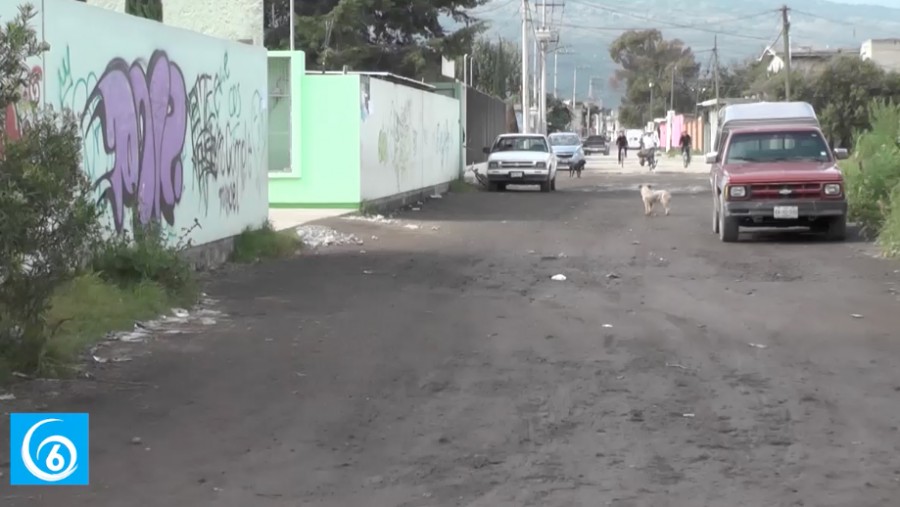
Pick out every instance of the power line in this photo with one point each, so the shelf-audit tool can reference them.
(626, 29)
(672, 24)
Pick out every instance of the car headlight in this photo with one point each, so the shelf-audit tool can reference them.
(832, 189)
(737, 191)
(540, 165)
(493, 165)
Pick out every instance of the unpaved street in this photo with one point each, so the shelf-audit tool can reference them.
(444, 367)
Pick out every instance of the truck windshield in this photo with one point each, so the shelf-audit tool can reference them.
(564, 140)
(520, 143)
(807, 145)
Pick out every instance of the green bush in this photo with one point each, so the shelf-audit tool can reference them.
(49, 223)
(146, 257)
(873, 173)
(264, 243)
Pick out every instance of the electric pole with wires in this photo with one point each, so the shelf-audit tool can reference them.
(786, 23)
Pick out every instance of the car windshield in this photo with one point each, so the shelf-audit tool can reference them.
(521, 143)
(565, 140)
(778, 147)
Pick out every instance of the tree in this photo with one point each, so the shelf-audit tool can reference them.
(150, 9)
(558, 115)
(645, 57)
(48, 216)
(497, 68)
(405, 38)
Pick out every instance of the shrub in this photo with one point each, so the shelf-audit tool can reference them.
(264, 243)
(874, 171)
(49, 223)
(130, 261)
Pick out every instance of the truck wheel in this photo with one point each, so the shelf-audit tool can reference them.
(715, 217)
(492, 186)
(553, 184)
(728, 228)
(545, 186)
(837, 229)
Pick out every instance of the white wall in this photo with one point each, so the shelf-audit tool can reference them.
(204, 150)
(409, 139)
(235, 20)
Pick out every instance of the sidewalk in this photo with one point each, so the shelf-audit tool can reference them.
(286, 218)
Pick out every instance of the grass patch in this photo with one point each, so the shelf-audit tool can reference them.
(461, 186)
(83, 310)
(264, 243)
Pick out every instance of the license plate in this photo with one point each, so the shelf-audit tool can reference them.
(786, 212)
(516, 174)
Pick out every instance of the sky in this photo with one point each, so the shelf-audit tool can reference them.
(885, 3)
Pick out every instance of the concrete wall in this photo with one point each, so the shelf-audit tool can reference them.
(174, 123)
(235, 20)
(409, 139)
(326, 174)
(884, 52)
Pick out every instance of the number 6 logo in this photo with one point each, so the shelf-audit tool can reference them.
(55, 462)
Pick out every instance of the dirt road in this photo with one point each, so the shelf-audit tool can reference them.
(444, 367)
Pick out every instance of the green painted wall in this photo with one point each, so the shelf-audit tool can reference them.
(329, 175)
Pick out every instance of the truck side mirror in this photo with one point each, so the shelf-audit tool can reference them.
(486, 150)
(841, 153)
(711, 157)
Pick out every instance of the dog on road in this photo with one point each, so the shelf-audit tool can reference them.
(652, 197)
(576, 169)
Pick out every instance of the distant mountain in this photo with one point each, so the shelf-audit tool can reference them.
(743, 29)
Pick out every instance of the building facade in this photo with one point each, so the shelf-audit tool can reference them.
(884, 52)
(234, 20)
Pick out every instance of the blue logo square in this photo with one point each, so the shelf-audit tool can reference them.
(48, 449)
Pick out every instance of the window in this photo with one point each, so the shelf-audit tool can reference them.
(778, 147)
(520, 144)
(565, 140)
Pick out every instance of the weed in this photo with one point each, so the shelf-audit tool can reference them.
(264, 243)
(461, 186)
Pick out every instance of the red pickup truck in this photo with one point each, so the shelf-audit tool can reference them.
(772, 167)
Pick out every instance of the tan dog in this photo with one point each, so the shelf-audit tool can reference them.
(651, 197)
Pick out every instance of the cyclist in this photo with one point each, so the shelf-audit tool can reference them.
(649, 145)
(685, 144)
(622, 144)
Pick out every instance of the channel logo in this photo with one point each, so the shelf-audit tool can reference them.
(49, 449)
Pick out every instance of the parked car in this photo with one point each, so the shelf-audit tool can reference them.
(596, 144)
(521, 159)
(774, 168)
(568, 150)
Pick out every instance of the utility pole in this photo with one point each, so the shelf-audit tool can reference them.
(786, 23)
(291, 19)
(526, 107)
(716, 67)
(672, 97)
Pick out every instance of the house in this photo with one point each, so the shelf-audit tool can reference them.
(234, 20)
(884, 52)
(804, 60)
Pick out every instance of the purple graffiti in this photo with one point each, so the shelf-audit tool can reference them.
(143, 118)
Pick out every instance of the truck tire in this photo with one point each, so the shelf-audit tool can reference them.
(729, 230)
(553, 184)
(545, 186)
(715, 217)
(837, 229)
(492, 186)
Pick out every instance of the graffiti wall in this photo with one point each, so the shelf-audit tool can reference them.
(409, 139)
(174, 123)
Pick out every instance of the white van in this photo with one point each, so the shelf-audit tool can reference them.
(634, 138)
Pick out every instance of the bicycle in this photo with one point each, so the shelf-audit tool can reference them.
(686, 157)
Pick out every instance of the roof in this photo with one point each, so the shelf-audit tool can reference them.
(725, 102)
(384, 76)
(519, 134)
(768, 112)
